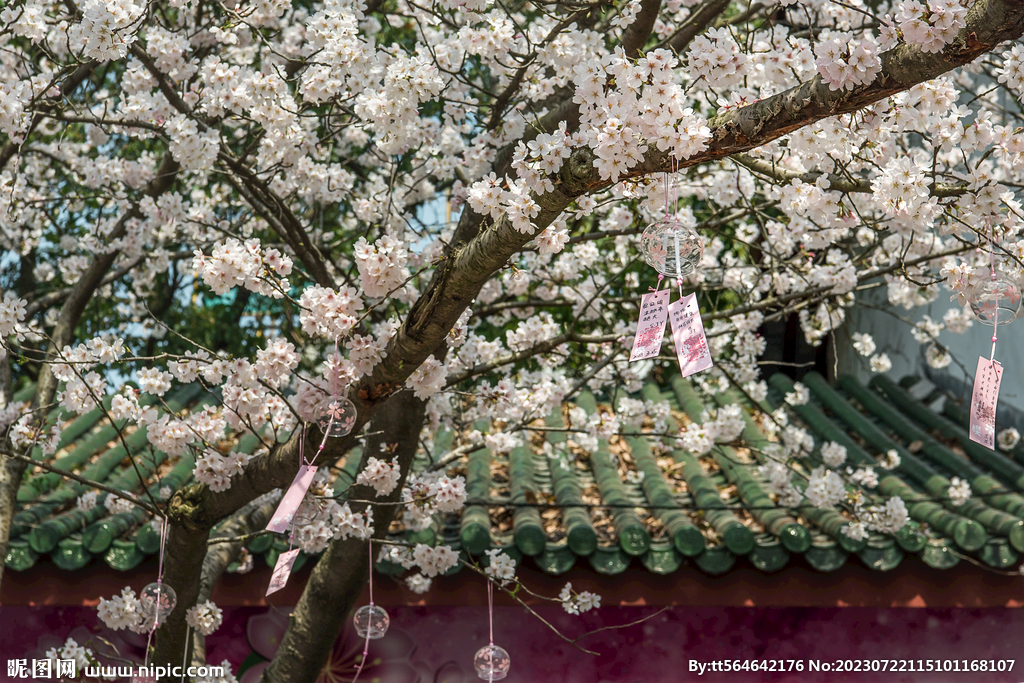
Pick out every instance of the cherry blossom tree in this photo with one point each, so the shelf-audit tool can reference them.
(433, 209)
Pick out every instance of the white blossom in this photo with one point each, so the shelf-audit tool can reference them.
(959, 491)
(204, 617)
(1008, 438)
(434, 561)
(382, 476)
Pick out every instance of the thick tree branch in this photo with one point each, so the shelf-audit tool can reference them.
(639, 31)
(219, 555)
(989, 23)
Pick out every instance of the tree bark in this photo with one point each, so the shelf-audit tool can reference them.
(639, 31)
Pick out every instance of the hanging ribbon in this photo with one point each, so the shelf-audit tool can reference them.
(490, 611)
(995, 290)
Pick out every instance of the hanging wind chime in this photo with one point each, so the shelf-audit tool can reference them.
(674, 249)
(337, 415)
(995, 301)
(371, 622)
(157, 601)
(491, 662)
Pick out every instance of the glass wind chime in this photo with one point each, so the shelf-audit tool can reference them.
(337, 416)
(491, 662)
(156, 602)
(370, 621)
(995, 300)
(674, 249)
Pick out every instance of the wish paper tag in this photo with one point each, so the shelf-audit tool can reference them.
(688, 335)
(138, 678)
(983, 402)
(282, 570)
(292, 499)
(650, 329)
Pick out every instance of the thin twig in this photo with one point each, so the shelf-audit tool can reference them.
(88, 482)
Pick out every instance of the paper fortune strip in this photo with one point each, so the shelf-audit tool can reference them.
(688, 335)
(983, 402)
(282, 570)
(292, 499)
(650, 328)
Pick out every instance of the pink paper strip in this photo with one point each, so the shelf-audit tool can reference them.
(292, 499)
(688, 335)
(983, 402)
(282, 570)
(650, 328)
(143, 679)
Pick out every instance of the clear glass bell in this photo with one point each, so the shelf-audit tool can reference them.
(372, 620)
(991, 296)
(157, 601)
(492, 663)
(671, 247)
(336, 417)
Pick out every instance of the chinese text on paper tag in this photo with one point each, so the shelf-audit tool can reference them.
(651, 327)
(983, 402)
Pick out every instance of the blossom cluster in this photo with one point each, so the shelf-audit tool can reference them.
(204, 617)
(500, 566)
(233, 263)
(122, 611)
(578, 602)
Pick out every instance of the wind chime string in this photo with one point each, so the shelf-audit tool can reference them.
(490, 611)
(334, 400)
(184, 657)
(163, 544)
(992, 274)
(667, 202)
(159, 590)
(366, 643)
(673, 198)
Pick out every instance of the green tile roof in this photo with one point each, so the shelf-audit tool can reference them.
(627, 502)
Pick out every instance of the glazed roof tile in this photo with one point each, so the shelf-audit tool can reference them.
(629, 501)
